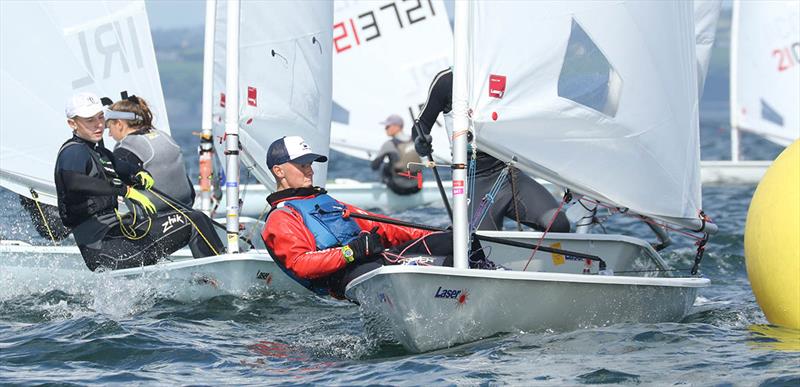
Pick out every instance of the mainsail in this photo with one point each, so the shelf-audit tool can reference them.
(385, 57)
(102, 47)
(765, 69)
(284, 79)
(607, 105)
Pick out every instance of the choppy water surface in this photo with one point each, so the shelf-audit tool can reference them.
(129, 331)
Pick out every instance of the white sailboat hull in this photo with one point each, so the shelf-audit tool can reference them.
(426, 308)
(44, 268)
(733, 172)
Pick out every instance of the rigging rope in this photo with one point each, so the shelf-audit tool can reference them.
(567, 197)
(35, 196)
(131, 233)
(701, 241)
(472, 166)
(487, 201)
(648, 220)
(253, 229)
(187, 218)
(514, 192)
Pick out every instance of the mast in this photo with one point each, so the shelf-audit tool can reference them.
(734, 89)
(206, 152)
(232, 126)
(461, 125)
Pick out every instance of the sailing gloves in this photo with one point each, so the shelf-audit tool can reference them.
(365, 245)
(144, 180)
(423, 146)
(138, 198)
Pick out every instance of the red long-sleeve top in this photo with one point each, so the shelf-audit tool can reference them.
(293, 244)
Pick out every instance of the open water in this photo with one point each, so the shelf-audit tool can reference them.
(127, 332)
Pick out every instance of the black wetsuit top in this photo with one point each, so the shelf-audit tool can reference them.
(88, 180)
(532, 205)
(440, 100)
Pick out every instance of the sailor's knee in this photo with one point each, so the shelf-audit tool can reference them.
(559, 224)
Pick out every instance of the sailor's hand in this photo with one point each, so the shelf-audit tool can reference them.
(144, 180)
(138, 198)
(365, 245)
(423, 146)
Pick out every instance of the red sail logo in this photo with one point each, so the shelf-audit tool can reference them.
(497, 86)
(252, 96)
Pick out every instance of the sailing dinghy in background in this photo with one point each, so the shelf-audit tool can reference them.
(104, 48)
(764, 83)
(765, 72)
(581, 110)
(384, 57)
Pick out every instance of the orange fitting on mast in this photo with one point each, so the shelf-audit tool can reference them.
(206, 171)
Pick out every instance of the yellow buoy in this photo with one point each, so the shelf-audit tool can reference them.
(772, 240)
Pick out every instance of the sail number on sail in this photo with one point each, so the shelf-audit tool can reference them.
(107, 43)
(787, 56)
(366, 26)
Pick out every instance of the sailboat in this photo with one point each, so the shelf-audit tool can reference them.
(103, 47)
(384, 69)
(765, 72)
(593, 108)
(764, 82)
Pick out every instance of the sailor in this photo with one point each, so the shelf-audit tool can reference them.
(311, 237)
(130, 123)
(520, 198)
(89, 180)
(399, 150)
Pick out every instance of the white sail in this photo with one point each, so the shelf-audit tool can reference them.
(765, 69)
(706, 14)
(385, 57)
(606, 105)
(50, 50)
(284, 79)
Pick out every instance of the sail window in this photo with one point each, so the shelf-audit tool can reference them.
(586, 75)
(768, 113)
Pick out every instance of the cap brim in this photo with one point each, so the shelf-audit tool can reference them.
(309, 158)
(87, 111)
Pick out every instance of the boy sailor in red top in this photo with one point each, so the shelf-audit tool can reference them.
(310, 237)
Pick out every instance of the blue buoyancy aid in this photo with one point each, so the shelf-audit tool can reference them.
(323, 216)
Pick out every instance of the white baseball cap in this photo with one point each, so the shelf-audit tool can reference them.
(291, 148)
(84, 105)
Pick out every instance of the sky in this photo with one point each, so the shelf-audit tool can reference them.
(169, 14)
